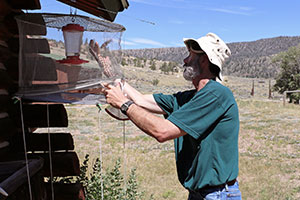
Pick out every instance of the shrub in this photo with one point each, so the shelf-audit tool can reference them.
(155, 82)
(152, 66)
(123, 62)
(111, 182)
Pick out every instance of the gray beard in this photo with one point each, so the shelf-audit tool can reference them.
(189, 73)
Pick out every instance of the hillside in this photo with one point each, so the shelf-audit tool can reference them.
(249, 59)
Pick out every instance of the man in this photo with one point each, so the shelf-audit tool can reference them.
(203, 122)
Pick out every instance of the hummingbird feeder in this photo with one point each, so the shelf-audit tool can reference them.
(73, 39)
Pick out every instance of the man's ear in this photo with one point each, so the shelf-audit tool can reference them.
(204, 59)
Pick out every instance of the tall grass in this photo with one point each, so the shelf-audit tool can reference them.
(269, 143)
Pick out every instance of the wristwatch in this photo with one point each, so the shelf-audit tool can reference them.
(126, 106)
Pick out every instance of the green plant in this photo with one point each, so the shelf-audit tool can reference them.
(139, 63)
(152, 66)
(164, 68)
(113, 183)
(109, 184)
(155, 82)
(123, 62)
(132, 189)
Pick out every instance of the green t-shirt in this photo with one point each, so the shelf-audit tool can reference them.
(208, 154)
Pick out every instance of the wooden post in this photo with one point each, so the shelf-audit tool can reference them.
(284, 95)
(270, 90)
(252, 91)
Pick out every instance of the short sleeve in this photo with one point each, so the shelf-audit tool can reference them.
(199, 114)
(166, 102)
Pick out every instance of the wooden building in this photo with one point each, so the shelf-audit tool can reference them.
(14, 170)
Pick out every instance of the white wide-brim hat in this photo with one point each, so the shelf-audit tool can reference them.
(214, 47)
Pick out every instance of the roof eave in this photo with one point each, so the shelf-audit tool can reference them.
(107, 9)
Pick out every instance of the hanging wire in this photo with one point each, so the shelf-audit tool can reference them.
(50, 153)
(100, 151)
(138, 19)
(123, 47)
(25, 149)
(73, 15)
(124, 142)
(124, 152)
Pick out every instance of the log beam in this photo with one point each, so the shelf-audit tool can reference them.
(63, 163)
(72, 191)
(39, 142)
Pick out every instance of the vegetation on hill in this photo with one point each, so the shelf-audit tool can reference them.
(249, 59)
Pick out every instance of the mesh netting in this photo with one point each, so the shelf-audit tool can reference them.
(61, 54)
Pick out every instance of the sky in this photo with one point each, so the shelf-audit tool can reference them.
(164, 23)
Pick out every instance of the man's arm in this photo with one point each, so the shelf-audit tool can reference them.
(159, 128)
(145, 101)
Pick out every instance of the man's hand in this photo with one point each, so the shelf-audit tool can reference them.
(114, 95)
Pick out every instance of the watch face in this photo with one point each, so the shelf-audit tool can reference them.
(125, 106)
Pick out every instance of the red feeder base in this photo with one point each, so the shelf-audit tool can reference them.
(73, 60)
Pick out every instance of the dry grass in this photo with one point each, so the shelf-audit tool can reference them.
(269, 150)
(269, 141)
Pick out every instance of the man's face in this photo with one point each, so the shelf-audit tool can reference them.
(191, 66)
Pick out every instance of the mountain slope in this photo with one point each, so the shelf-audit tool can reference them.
(249, 59)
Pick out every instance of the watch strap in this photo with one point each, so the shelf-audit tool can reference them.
(126, 106)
